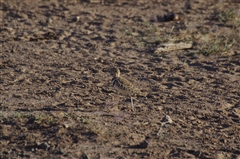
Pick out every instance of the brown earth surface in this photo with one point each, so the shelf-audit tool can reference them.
(57, 99)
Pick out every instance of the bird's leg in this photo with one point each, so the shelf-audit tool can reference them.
(132, 104)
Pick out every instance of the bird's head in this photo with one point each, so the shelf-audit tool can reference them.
(115, 72)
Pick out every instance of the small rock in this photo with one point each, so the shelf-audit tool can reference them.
(84, 156)
(44, 146)
(76, 19)
(143, 144)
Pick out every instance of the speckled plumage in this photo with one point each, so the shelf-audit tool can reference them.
(124, 86)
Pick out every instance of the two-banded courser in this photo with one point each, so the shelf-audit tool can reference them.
(123, 85)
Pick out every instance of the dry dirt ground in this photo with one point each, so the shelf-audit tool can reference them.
(57, 100)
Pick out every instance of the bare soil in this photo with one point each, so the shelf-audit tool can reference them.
(56, 95)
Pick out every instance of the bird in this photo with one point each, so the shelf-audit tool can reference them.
(124, 86)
